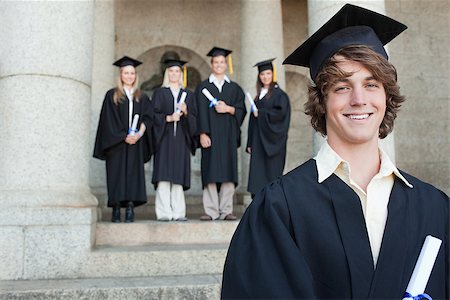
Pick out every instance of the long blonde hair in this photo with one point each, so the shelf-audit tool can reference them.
(119, 95)
(166, 82)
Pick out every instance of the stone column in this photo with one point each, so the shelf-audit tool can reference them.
(48, 212)
(103, 76)
(261, 38)
(319, 11)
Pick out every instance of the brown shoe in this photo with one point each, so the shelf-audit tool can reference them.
(230, 217)
(205, 218)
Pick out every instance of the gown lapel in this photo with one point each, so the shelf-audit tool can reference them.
(355, 240)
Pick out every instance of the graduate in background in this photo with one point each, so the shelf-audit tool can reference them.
(174, 129)
(125, 150)
(220, 135)
(268, 129)
(346, 224)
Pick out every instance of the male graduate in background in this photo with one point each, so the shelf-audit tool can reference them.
(219, 125)
(346, 224)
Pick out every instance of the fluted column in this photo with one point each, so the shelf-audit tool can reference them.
(261, 38)
(45, 78)
(319, 11)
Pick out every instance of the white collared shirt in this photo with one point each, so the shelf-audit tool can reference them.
(374, 203)
(130, 94)
(217, 83)
(263, 93)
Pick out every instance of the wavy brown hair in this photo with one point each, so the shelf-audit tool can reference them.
(382, 70)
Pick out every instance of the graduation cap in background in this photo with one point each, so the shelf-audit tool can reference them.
(127, 61)
(171, 62)
(351, 25)
(267, 65)
(217, 51)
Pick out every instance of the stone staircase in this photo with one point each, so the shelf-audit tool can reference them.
(146, 259)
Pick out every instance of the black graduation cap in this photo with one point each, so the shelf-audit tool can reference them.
(265, 65)
(127, 61)
(351, 25)
(216, 51)
(170, 62)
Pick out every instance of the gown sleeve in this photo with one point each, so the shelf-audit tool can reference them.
(148, 119)
(159, 118)
(110, 131)
(274, 124)
(190, 122)
(263, 260)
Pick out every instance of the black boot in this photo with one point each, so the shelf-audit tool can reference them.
(116, 214)
(129, 213)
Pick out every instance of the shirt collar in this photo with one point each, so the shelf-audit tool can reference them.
(327, 161)
(212, 78)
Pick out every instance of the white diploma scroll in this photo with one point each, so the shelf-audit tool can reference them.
(182, 100)
(210, 97)
(134, 125)
(252, 103)
(424, 265)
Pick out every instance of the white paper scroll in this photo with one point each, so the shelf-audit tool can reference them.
(134, 125)
(424, 265)
(182, 100)
(252, 103)
(210, 97)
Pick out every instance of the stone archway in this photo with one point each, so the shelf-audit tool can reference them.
(152, 71)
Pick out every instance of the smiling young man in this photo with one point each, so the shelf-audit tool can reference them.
(346, 224)
(220, 136)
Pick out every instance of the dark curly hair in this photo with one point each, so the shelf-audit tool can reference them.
(381, 69)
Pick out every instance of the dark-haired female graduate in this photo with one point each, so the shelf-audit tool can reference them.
(173, 135)
(346, 224)
(268, 129)
(125, 147)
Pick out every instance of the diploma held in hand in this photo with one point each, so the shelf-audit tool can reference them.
(210, 97)
(132, 130)
(252, 103)
(182, 100)
(422, 270)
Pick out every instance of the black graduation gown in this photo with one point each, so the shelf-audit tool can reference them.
(267, 138)
(304, 240)
(172, 160)
(219, 162)
(124, 163)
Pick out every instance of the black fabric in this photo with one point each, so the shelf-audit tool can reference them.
(267, 138)
(265, 65)
(126, 61)
(219, 162)
(172, 160)
(124, 163)
(300, 239)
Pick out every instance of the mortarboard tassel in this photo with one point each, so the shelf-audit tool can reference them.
(184, 77)
(230, 64)
(274, 72)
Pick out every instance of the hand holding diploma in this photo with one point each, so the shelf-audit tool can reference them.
(181, 104)
(213, 101)
(422, 270)
(132, 138)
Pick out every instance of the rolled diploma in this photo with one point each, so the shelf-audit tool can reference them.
(134, 125)
(252, 103)
(424, 265)
(209, 96)
(182, 99)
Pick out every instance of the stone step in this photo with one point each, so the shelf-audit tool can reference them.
(153, 232)
(161, 287)
(154, 260)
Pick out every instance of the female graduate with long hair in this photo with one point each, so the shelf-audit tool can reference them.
(173, 136)
(268, 129)
(123, 140)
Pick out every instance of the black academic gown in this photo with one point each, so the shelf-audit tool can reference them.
(124, 163)
(303, 240)
(219, 162)
(172, 160)
(267, 138)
